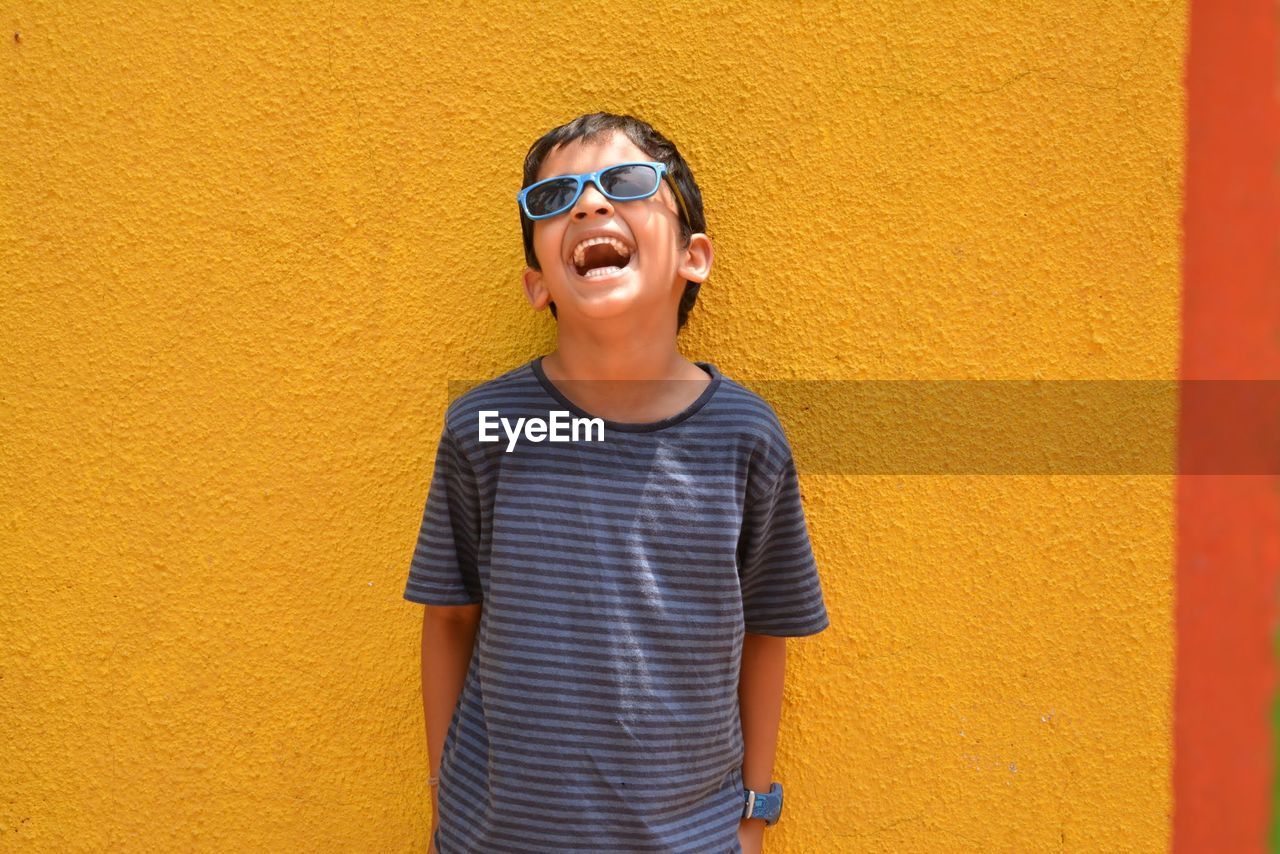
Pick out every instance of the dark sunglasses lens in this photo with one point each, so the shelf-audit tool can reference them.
(632, 181)
(551, 196)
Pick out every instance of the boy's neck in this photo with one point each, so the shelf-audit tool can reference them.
(586, 360)
(581, 355)
(648, 369)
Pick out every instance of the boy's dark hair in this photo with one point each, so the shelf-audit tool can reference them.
(592, 126)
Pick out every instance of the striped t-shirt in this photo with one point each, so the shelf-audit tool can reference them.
(600, 708)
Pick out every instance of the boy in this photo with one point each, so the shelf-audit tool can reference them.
(604, 636)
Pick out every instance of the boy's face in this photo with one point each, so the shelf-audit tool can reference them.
(650, 285)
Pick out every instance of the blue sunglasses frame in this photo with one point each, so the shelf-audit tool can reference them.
(594, 178)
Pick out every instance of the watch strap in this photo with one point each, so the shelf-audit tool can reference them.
(763, 805)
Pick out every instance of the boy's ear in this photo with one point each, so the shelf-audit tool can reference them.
(535, 290)
(697, 259)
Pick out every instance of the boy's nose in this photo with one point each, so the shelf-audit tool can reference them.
(591, 199)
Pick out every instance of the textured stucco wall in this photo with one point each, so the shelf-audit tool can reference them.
(245, 246)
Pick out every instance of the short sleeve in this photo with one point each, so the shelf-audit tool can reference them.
(781, 591)
(444, 569)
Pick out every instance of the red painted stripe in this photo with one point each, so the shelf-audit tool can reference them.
(1228, 527)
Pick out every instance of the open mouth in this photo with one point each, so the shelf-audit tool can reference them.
(602, 261)
(609, 271)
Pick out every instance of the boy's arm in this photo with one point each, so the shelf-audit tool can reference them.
(764, 659)
(448, 636)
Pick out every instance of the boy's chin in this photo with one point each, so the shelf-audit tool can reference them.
(619, 295)
(621, 291)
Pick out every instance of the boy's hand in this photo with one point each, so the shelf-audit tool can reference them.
(751, 835)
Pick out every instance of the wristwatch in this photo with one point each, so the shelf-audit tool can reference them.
(765, 805)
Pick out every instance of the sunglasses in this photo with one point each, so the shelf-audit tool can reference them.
(622, 182)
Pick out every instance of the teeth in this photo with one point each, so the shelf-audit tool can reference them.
(601, 272)
(580, 251)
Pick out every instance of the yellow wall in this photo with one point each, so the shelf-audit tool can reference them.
(245, 248)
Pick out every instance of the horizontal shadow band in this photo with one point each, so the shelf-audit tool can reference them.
(1024, 427)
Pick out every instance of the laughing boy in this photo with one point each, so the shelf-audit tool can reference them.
(604, 637)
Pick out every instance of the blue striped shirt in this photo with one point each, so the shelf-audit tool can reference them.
(600, 708)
